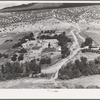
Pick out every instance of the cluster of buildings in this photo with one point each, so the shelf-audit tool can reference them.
(35, 48)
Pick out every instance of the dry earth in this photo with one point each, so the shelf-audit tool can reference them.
(34, 83)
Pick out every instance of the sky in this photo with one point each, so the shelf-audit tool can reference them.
(4, 4)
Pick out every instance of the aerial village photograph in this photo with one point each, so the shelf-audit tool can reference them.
(49, 45)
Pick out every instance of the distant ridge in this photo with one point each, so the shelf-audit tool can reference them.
(39, 6)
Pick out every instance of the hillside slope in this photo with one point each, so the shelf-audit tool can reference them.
(38, 6)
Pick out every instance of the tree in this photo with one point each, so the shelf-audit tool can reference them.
(42, 61)
(2, 69)
(88, 41)
(20, 57)
(79, 65)
(0, 55)
(9, 67)
(31, 35)
(23, 50)
(75, 72)
(83, 60)
(64, 51)
(16, 67)
(17, 45)
(14, 57)
(34, 67)
(48, 61)
(5, 55)
(83, 45)
(97, 60)
(32, 64)
(49, 45)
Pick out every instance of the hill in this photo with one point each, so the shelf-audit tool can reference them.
(38, 6)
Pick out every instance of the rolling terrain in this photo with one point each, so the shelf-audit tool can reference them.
(82, 22)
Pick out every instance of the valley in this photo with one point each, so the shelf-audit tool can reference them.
(50, 48)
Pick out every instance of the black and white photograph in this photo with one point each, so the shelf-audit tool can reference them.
(49, 45)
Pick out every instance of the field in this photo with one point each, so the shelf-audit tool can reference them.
(16, 25)
(88, 55)
(93, 33)
(29, 83)
(13, 36)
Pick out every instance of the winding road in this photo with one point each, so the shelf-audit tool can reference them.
(55, 68)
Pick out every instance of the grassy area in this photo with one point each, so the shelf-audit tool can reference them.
(88, 55)
(91, 56)
(9, 44)
(94, 34)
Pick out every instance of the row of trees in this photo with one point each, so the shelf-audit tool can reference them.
(48, 37)
(63, 41)
(90, 50)
(13, 70)
(48, 31)
(16, 57)
(23, 40)
(45, 60)
(3, 55)
(79, 68)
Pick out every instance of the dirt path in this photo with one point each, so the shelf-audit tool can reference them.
(55, 68)
(43, 83)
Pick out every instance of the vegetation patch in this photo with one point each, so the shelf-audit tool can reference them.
(17, 70)
(79, 68)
